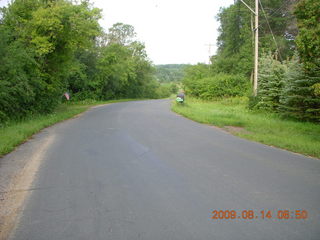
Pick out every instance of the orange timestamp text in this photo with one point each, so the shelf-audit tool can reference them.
(250, 214)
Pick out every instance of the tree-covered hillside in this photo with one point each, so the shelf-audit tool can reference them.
(170, 72)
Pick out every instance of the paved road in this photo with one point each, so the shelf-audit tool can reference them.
(138, 171)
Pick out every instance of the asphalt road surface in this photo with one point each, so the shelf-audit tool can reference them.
(135, 170)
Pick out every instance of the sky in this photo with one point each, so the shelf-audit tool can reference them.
(173, 31)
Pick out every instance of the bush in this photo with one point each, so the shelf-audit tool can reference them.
(217, 86)
(84, 95)
(174, 88)
(253, 102)
(163, 91)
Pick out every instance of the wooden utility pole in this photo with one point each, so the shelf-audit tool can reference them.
(209, 51)
(256, 44)
(256, 50)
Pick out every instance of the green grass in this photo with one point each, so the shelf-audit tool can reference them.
(264, 127)
(15, 133)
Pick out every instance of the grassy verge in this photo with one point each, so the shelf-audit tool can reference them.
(267, 128)
(15, 133)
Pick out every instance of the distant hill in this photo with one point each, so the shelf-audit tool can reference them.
(170, 72)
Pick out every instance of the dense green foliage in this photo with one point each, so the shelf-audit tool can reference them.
(170, 76)
(235, 51)
(234, 54)
(38, 42)
(235, 42)
(48, 48)
(308, 39)
(202, 81)
(298, 98)
(288, 82)
(271, 74)
(170, 72)
(217, 86)
(290, 87)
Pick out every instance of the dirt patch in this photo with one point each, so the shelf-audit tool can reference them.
(235, 130)
(14, 196)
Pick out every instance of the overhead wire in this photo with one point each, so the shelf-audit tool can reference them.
(261, 26)
(283, 6)
(274, 39)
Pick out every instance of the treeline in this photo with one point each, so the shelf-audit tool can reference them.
(170, 76)
(289, 67)
(48, 48)
(170, 72)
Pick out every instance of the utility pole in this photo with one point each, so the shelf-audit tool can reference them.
(209, 51)
(256, 44)
(256, 50)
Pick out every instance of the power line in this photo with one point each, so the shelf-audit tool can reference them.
(283, 6)
(274, 39)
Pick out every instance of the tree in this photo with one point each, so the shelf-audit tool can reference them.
(235, 41)
(19, 78)
(235, 47)
(49, 47)
(300, 98)
(170, 72)
(123, 69)
(121, 34)
(271, 74)
(40, 39)
(308, 39)
(294, 92)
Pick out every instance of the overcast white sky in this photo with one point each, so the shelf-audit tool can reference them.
(174, 31)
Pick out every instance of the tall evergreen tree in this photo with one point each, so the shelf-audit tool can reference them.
(271, 73)
(297, 98)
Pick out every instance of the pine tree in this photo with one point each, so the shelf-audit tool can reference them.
(271, 73)
(298, 98)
